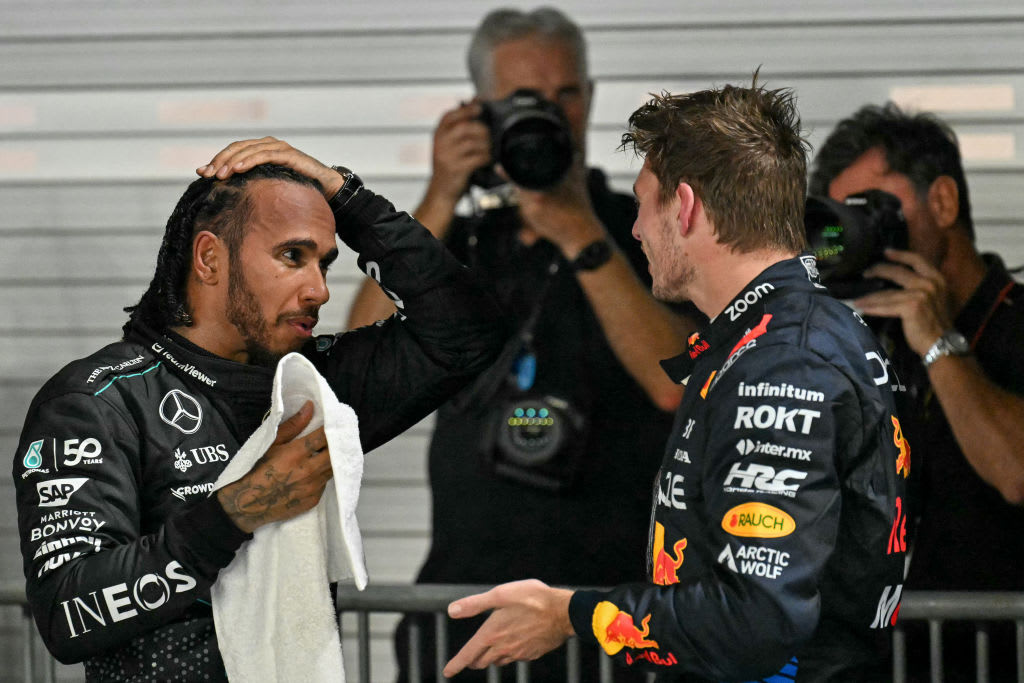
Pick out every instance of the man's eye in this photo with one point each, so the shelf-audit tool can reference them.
(290, 255)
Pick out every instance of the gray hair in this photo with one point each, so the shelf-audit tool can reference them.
(509, 24)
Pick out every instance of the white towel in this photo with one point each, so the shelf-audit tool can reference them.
(272, 607)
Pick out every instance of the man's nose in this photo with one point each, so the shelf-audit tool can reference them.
(316, 291)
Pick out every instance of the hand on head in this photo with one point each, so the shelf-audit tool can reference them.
(239, 157)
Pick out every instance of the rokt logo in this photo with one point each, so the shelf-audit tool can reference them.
(775, 417)
(181, 411)
(758, 520)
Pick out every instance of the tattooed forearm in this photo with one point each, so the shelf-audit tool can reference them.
(251, 504)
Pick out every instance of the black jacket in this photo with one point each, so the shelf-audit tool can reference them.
(778, 526)
(120, 450)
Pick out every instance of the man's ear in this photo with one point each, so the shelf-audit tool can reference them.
(944, 201)
(209, 257)
(689, 205)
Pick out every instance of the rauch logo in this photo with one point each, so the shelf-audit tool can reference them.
(758, 520)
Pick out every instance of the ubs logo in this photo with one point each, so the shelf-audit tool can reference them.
(181, 411)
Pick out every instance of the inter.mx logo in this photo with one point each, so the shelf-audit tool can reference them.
(57, 492)
(747, 446)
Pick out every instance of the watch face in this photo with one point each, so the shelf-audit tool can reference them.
(957, 342)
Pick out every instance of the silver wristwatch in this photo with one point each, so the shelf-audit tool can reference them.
(951, 343)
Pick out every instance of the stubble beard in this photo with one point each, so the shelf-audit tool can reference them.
(245, 314)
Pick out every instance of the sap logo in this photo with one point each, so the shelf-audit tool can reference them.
(57, 492)
(672, 495)
(758, 520)
(183, 492)
(755, 560)
(689, 428)
(118, 603)
(79, 523)
(898, 533)
(885, 366)
(681, 456)
(775, 417)
(82, 452)
(888, 609)
(747, 299)
(747, 446)
(762, 478)
(372, 269)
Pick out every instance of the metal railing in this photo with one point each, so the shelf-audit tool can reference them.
(934, 609)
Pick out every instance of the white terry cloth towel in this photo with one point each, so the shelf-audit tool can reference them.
(272, 607)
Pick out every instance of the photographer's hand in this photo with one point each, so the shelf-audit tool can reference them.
(239, 157)
(922, 303)
(462, 144)
(563, 215)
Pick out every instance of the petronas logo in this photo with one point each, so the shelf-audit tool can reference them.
(34, 455)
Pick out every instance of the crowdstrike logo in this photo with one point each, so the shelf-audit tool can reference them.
(183, 492)
(181, 411)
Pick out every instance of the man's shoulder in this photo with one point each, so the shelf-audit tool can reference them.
(93, 373)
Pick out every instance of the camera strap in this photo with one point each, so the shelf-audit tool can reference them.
(517, 355)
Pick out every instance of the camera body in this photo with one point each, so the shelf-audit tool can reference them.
(536, 440)
(848, 237)
(530, 138)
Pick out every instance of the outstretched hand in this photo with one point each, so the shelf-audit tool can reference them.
(287, 481)
(239, 157)
(529, 620)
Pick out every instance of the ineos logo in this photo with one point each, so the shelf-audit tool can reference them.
(181, 411)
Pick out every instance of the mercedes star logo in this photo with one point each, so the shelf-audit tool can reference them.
(181, 411)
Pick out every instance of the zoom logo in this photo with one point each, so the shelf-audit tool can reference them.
(181, 411)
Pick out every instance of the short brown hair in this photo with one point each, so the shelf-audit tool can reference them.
(742, 152)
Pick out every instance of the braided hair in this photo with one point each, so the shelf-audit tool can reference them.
(219, 206)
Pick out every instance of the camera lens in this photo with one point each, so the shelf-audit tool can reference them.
(530, 138)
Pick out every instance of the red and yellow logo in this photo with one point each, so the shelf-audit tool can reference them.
(903, 459)
(615, 629)
(665, 565)
(707, 384)
(757, 520)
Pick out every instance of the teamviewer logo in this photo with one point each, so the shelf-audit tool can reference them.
(181, 411)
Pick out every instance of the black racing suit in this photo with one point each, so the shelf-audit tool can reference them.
(120, 450)
(778, 530)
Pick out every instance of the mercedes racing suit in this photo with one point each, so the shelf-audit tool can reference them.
(778, 530)
(119, 536)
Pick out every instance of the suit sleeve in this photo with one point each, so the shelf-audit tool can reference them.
(447, 329)
(94, 580)
(772, 499)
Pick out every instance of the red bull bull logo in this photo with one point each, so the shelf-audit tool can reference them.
(757, 520)
(903, 459)
(664, 564)
(615, 629)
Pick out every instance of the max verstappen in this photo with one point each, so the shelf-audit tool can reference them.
(120, 538)
(777, 536)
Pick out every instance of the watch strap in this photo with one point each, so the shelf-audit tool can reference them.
(950, 343)
(349, 188)
(592, 256)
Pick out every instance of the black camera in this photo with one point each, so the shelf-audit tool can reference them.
(530, 138)
(536, 440)
(848, 237)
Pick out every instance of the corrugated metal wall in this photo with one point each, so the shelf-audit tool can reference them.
(106, 107)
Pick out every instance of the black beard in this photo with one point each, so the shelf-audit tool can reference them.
(244, 313)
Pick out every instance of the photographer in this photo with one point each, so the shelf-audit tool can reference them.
(594, 341)
(956, 328)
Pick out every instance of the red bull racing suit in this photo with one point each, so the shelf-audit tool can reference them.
(120, 450)
(778, 530)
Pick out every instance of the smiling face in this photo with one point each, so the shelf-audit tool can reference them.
(657, 229)
(276, 283)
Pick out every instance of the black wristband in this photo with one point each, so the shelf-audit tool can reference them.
(592, 256)
(349, 189)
